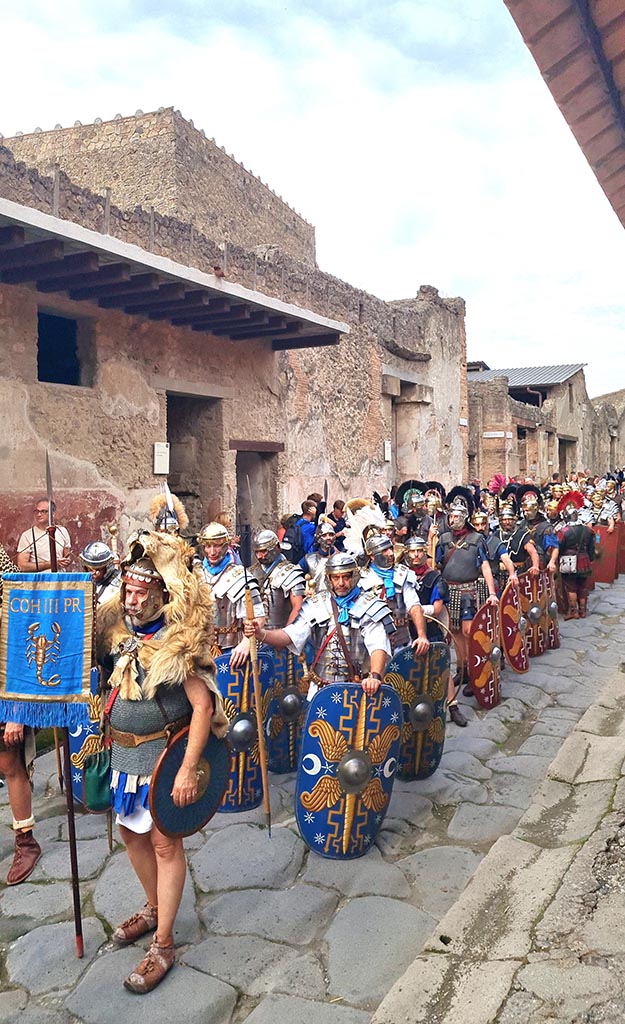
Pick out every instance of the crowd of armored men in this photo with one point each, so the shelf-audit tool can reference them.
(335, 594)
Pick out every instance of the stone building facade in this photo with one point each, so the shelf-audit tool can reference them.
(388, 402)
(536, 421)
(159, 161)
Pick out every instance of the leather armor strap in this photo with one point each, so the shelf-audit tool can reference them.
(354, 676)
(130, 739)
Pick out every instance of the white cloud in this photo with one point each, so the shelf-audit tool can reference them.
(416, 136)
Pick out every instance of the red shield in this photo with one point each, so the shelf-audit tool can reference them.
(513, 626)
(539, 607)
(604, 566)
(485, 656)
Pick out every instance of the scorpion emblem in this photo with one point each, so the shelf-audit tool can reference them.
(42, 652)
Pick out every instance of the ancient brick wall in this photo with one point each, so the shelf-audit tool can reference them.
(326, 406)
(160, 160)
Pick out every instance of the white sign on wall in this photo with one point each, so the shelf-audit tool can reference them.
(387, 451)
(161, 457)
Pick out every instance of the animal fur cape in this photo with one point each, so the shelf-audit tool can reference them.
(183, 648)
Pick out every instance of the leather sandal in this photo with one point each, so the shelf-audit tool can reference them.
(134, 927)
(157, 962)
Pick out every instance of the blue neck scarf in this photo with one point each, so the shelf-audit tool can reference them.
(150, 627)
(386, 575)
(344, 603)
(214, 570)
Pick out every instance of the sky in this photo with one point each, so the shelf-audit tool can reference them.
(417, 136)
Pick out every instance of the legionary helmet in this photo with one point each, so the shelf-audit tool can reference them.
(551, 508)
(264, 540)
(528, 496)
(413, 550)
(96, 555)
(507, 513)
(325, 535)
(597, 499)
(342, 562)
(375, 548)
(479, 518)
(569, 505)
(214, 533)
(166, 519)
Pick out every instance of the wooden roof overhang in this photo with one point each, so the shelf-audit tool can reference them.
(59, 256)
(579, 47)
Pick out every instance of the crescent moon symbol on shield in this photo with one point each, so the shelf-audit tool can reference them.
(315, 762)
(76, 732)
(389, 767)
(478, 660)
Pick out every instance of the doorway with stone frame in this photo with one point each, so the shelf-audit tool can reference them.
(196, 459)
(256, 481)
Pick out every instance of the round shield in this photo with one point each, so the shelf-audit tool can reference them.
(212, 772)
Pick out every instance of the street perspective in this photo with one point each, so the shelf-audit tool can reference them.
(312, 574)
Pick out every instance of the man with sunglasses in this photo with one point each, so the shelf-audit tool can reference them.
(33, 547)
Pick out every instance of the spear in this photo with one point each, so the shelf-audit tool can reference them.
(51, 531)
(71, 824)
(262, 750)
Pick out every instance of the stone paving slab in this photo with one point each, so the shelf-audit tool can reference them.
(512, 790)
(438, 876)
(45, 960)
(293, 915)
(184, 995)
(257, 966)
(529, 767)
(242, 857)
(366, 876)
(472, 824)
(389, 929)
(276, 1009)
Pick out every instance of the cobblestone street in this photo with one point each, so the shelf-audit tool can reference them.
(269, 932)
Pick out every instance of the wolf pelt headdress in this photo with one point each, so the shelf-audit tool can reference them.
(156, 507)
(184, 647)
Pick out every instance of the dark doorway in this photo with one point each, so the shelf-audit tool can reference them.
(256, 490)
(196, 465)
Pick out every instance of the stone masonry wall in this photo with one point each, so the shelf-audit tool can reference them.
(160, 160)
(327, 406)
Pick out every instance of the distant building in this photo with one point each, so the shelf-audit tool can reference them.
(536, 420)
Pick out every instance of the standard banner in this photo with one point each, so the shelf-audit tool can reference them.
(45, 648)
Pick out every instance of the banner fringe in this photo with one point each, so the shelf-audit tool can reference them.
(62, 714)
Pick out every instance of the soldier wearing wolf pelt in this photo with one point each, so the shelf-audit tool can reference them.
(349, 630)
(156, 642)
(462, 558)
(227, 583)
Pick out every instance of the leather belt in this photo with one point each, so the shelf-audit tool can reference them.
(130, 739)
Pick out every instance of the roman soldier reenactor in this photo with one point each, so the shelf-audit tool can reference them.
(228, 583)
(349, 630)
(577, 551)
(281, 583)
(462, 558)
(99, 560)
(395, 584)
(528, 499)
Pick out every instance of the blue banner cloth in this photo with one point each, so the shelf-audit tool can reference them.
(45, 648)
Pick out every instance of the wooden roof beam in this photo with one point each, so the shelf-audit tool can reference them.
(210, 318)
(108, 273)
(58, 270)
(189, 300)
(122, 293)
(37, 252)
(170, 292)
(11, 235)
